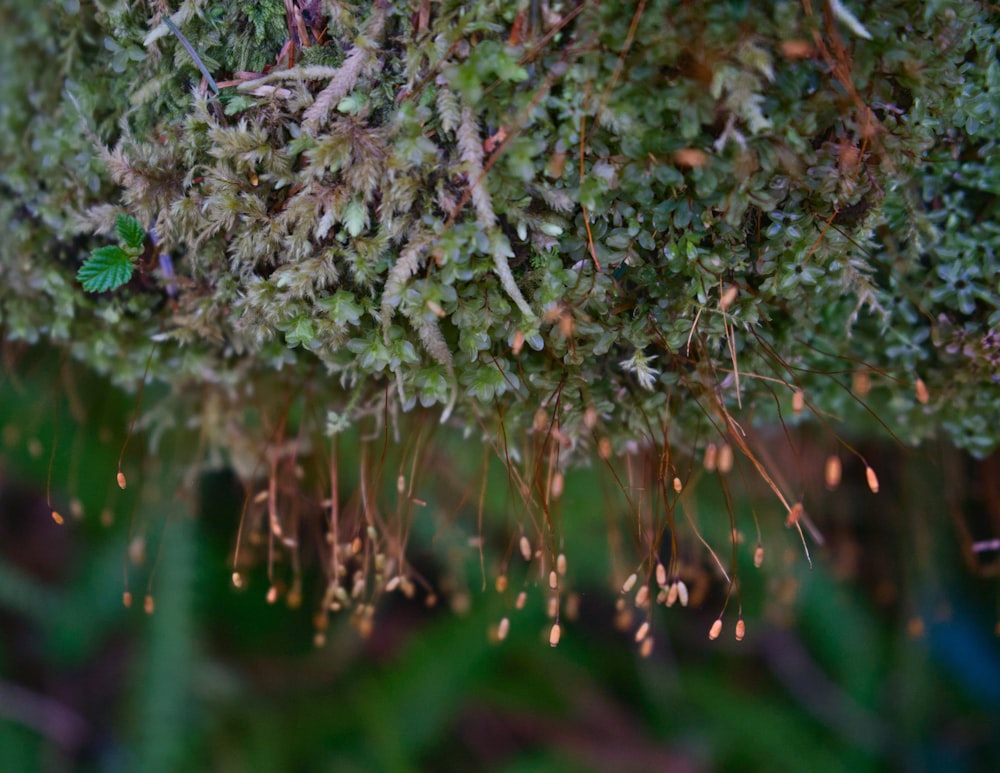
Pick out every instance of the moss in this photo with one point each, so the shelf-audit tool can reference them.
(640, 226)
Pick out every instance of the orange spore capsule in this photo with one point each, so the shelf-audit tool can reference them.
(725, 458)
(794, 514)
(711, 457)
(832, 471)
(872, 479)
(558, 482)
(796, 49)
(862, 382)
(728, 296)
(682, 592)
(518, 344)
(630, 582)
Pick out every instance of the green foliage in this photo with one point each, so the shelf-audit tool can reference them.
(108, 268)
(131, 233)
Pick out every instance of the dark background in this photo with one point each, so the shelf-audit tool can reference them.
(882, 655)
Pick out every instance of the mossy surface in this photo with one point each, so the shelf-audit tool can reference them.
(639, 221)
(649, 237)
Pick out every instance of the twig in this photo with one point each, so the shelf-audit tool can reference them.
(188, 47)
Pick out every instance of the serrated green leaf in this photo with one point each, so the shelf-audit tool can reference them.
(107, 268)
(237, 103)
(301, 331)
(301, 144)
(130, 231)
(342, 308)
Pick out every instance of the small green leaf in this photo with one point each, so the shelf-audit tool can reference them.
(354, 218)
(301, 144)
(237, 103)
(130, 232)
(351, 104)
(342, 308)
(300, 332)
(107, 268)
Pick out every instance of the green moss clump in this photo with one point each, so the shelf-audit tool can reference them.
(411, 203)
(642, 227)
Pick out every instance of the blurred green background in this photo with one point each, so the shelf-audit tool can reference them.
(882, 656)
